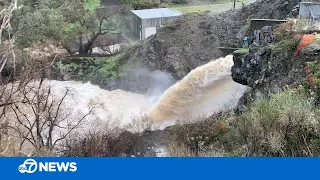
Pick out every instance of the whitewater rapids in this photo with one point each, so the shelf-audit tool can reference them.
(112, 109)
(205, 90)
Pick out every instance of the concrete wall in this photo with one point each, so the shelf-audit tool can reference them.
(305, 7)
(257, 24)
(225, 51)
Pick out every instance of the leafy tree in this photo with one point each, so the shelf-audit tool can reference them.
(66, 23)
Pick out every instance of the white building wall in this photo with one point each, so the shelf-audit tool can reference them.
(150, 31)
(305, 7)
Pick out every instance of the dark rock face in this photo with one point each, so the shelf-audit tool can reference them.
(271, 70)
(249, 68)
(268, 70)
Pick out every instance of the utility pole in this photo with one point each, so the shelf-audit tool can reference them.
(234, 4)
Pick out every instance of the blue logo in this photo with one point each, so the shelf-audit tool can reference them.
(31, 166)
(28, 166)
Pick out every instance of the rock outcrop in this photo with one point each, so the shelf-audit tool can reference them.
(271, 69)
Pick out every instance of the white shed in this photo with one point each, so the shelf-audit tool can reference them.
(146, 22)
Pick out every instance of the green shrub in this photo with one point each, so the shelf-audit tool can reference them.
(286, 42)
(287, 46)
(311, 84)
(108, 67)
(140, 4)
(284, 124)
(92, 69)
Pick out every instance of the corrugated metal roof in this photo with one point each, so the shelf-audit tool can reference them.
(310, 3)
(155, 13)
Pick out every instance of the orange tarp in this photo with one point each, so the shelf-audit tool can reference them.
(304, 41)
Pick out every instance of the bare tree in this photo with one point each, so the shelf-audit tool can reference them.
(47, 124)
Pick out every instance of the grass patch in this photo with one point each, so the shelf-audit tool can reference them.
(214, 8)
(244, 50)
(286, 45)
(283, 124)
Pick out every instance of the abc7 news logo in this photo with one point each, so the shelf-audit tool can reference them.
(29, 166)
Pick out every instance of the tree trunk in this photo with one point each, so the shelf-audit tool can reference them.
(86, 48)
(39, 142)
(68, 49)
(80, 44)
(49, 139)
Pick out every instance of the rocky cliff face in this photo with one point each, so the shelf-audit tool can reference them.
(271, 68)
